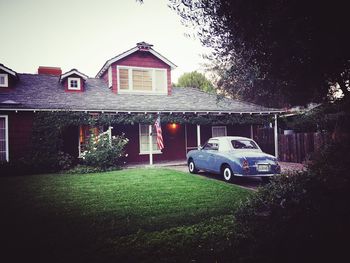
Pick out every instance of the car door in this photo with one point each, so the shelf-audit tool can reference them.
(206, 158)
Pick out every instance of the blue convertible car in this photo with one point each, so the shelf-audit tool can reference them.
(233, 156)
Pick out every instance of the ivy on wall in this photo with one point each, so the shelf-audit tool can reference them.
(49, 126)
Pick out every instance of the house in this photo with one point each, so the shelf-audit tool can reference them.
(134, 83)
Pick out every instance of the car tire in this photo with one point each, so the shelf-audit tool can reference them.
(192, 167)
(227, 173)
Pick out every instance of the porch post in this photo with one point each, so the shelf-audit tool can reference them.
(185, 139)
(110, 134)
(150, 145)
(276, 136)
(198, 135)
(251, 132)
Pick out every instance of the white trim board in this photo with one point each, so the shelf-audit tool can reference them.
(78, 80)
(71, 72)
(7, 153)
(129, 52)
(145, 111)
(13, 73)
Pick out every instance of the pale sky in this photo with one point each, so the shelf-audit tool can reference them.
(84, 34)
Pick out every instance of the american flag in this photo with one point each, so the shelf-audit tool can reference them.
(159, 133)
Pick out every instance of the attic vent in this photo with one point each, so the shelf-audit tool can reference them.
(49, 71)
(143, 46)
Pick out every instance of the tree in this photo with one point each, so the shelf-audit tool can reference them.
(274, 52)
(196, 80)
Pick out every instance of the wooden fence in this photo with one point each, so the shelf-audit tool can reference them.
(292, 147)
(297, 147)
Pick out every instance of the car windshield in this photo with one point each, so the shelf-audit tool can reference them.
(244, 144)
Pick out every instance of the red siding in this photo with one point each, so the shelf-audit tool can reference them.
(114, 79)
(174, 142)
(140, 59)
(82, 83)
(105, 77)
(20, 133)
(21, 124)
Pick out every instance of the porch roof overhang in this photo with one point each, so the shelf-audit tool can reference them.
(147, 112)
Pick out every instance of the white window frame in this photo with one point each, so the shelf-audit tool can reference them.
(6, 80)
(130, 86)
(74, 88)
(154, 151)
(7, 155)
(110, 83)
(216, 127)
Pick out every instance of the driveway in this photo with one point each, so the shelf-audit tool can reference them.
(250, 183)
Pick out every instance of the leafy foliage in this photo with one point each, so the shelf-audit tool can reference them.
(196, 80)
(299, 218)
(104, 153)
(331, 117)
(65, 161)
(273, 52)
(48, 128)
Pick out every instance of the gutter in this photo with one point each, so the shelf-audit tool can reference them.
(146, 112)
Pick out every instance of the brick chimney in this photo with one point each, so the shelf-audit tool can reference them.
(56, 71)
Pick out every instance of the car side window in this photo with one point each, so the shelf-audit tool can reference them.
(243, 144)
(211, 145)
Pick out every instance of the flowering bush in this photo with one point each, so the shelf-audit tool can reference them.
(104, 153)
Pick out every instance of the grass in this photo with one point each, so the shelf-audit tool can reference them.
(131, 215)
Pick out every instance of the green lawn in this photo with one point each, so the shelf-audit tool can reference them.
(130, 215)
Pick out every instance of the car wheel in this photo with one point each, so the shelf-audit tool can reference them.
(192, 167)
(227, 173)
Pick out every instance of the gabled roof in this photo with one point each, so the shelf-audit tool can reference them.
(8, 70)
(73, 72)
(44, 93)
(139, 46)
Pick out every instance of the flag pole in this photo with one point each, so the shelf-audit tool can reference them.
(150, 145)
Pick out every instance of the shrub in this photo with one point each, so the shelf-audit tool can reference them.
(104, 153)
(299, 218)
(84, 169)
(65, 160)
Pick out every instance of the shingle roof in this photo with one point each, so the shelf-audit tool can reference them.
(40, 92)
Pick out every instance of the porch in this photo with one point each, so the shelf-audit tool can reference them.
(178, 138)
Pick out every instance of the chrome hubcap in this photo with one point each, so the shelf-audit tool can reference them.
(227, 174)
(191, 166)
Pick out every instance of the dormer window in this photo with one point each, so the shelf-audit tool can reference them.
(4, 80)
(73, 83)
(73, 80)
